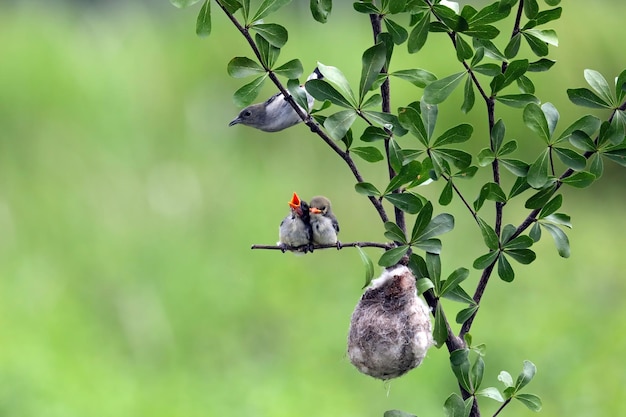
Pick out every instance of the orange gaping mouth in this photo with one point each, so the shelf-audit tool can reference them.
(295, 201)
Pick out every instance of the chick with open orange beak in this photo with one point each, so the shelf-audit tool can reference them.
(295, 229)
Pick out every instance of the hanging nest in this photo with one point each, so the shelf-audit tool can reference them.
(390, 329)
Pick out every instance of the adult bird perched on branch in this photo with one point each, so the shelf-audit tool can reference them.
(275, 113)
(324, 224)
(295, 229)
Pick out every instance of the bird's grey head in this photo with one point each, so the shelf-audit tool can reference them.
(320, 204)
(250, 116)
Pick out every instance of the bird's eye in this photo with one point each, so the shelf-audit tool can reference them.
(246, 113)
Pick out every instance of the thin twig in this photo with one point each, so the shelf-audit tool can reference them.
(458, 192)
(385, 246)
(504, 404)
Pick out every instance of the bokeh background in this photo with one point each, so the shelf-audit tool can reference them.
(128, 207)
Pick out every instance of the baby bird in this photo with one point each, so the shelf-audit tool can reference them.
(295, 229)
(324, 224)
(275, 113)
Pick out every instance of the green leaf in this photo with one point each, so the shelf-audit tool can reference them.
(396, 6)
(490, 191)
(432, 246)
(369, 266)
(539, 47)
(366, 8)
(551, 207)
(429, 114)
(181, 4)
(541, 65)
(398, 33)
(454, 406)
(509, 147)
(539, 199)
(446, 194)
(268, 7)
(519, 242)
(570, 158)
(485, 260)
(440, 332)
(469, 96)
(512, 48)
(460, 159)
(599, 85)
(367, 189)
(269, 53)
(505, 378)
(440, 224)
(485, 157)
(245, 7)
(421, 221)
(457, 134)
(596, 166)
(453, 281)
(275, 34)
(241, 67)
(489, 235)
(460, 363)
(320, 9)
(560, 218)
(586, 98)
(246, 94)
(406, 202)
(580, 179)
(397, 413)
(387, 120)
(336, 77)
(459, 295)
(523, 256)
(517, 100)
(497, 135)
(477, 372)
(373, 133)
(433, 267)
(337, 124)
(463, 49)
(291, 70)
(368, 153)
(492, 393)
(552, 117)
(372, 62)
(620, 86)
(464, 315)
(546, 35)
(437, 91)
(531, 401)
(535, 119)
(411, 120)
(587, 124)
(321, 90)
(535, 232)
(505, 270)
(418, 77)
(393, 256)
(419, 34)
(519, 187)
(525, 85)
(490, 70)
(393, 232)
(423, 285)
(515, 166)
(538, 171)
(560, 239)
(203, 22)
(528, 373)
(489, 14)
(616, 155)
(395, 158)
(582, 141)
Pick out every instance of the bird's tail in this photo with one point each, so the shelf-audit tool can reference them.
(315, 75)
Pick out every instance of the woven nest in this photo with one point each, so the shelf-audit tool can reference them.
(390, 329)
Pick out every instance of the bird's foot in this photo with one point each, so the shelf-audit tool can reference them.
(339, 245)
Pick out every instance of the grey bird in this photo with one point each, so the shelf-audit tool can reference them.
(324, 224)
(295, 229)
(275, 114)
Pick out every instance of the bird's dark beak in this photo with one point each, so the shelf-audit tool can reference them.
(295, 202)
(235, 121)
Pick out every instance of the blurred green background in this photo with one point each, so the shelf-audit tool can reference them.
(128, 207)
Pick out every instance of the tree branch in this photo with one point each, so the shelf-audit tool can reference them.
(385, 93)
(458, 192)
(385, 246)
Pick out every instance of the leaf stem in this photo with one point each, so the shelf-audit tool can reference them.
(458, 192)
(504, 404)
